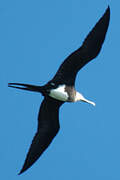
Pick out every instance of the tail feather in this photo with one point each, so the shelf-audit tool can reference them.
(27, 87)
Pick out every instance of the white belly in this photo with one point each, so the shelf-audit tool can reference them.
(59, 93)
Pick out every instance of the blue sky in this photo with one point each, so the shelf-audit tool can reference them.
(35, 37)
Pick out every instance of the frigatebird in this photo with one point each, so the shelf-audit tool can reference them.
(61, 89)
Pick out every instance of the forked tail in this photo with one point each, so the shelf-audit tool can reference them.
(27, 87)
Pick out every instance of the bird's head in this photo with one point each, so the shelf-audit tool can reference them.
(80, 97)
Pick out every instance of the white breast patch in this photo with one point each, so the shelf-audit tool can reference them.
(59, 93)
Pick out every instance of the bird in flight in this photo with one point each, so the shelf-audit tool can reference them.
(61, 89)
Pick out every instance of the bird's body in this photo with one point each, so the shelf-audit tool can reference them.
(60, 93)
(61, 89)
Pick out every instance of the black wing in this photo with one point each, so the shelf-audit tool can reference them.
(48, 126)
(90, 48)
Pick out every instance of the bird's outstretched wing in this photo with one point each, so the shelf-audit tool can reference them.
(90, 48)
(48, 126)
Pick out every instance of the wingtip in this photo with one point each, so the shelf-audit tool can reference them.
(21, 171)
(108, 11)
(108, 7)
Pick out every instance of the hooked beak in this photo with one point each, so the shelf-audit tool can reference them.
(80, 97)
(87, 101)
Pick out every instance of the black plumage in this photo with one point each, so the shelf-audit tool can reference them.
(48, 118)
(48, 126)
(90, 48)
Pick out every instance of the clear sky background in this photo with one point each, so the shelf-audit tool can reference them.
(35, 37)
